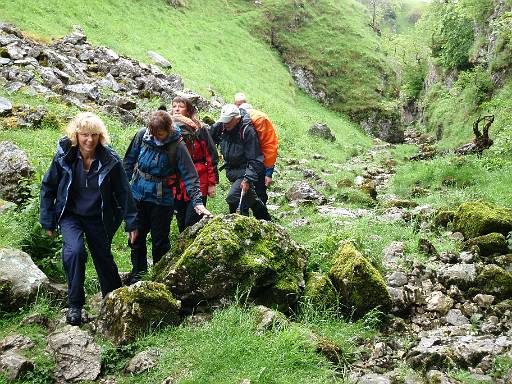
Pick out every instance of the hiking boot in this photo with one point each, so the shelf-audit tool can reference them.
(74, 316)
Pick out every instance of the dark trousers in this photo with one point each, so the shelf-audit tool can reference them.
(250, 200)
(157, 220)
(261, 191)
(186, 214)
(74, 256)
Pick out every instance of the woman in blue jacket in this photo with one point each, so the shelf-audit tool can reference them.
(154, 162)
(86, 193)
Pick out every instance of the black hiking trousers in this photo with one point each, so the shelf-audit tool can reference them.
(156, 219)
(250, 200)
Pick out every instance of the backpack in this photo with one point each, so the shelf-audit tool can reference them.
(266, 136)
(169, 149)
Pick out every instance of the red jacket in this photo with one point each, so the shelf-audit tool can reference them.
(204, 155)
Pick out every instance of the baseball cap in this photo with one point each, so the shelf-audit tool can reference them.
(228, 112)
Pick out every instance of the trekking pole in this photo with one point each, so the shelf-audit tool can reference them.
(240, 202)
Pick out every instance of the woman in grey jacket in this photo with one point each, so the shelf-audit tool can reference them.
(86, 193)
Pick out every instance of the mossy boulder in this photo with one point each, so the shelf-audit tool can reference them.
(493, 280)
(213, 261)
(477, 218)
(129, 311)
(320, 290)
(490, 244)
(361, 286)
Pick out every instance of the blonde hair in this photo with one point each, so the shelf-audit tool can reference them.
(87, 122)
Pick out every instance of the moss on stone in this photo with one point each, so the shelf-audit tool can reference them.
(320, 291)
(477, 218)
(361, 286)
(235, 252)
(128, 311)
(443, 217)
(10, 122)
(490, 244)
(493, 280)
(504, 261)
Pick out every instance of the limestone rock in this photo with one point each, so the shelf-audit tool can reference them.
(13, 365)
(16, 342)
(268, 318)
(215, 258)
(439, 302)
(302, 192)
(77, 356)
(142, 361)
(321, 130)
(463, 275)
(159, 59)
(20, 279)
(128, 311)
(361, 286)
(5, 107)
(14, 167)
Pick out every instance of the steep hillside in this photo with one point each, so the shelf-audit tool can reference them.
(335, 56)
(208, 43)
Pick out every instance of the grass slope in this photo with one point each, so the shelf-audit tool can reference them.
(209, 45)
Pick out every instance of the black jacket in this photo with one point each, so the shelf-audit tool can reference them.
(240, 148)
(116, 198)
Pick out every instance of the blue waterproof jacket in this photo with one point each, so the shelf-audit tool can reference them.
(116, 198)
(146, 164)
(240, 148)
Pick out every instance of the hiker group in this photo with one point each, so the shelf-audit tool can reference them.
(170, 168)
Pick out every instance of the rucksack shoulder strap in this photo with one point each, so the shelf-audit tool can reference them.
(171, 152)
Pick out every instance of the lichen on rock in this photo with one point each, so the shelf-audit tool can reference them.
(128, 311)
(361, 286)
(234, 253)
(478, 218)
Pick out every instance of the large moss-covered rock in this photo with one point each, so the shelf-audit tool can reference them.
(477, 218)
(128, 311)
(488, 244)
(361, 286)
(493, 280)
(320, 290)
(231, 253)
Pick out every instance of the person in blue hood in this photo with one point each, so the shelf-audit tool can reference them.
(86, 193)
(154, 162)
